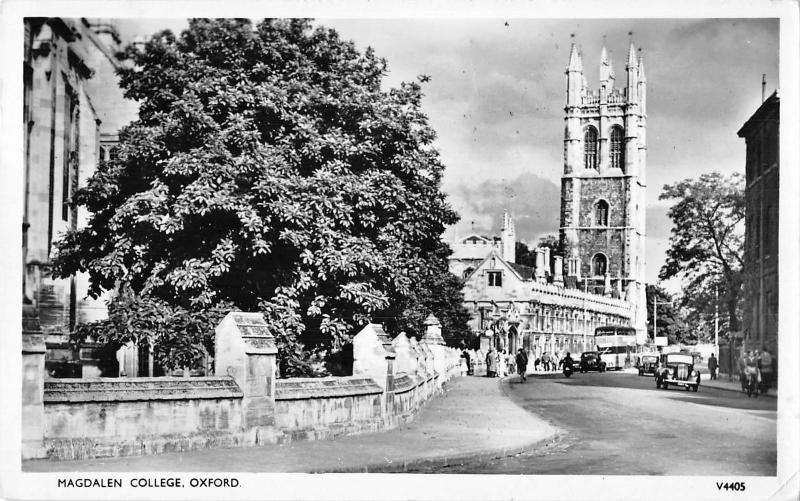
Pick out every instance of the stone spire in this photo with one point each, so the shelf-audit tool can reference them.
(632, 69)
(631, 56)
(642, 77)
(508, 238)
(575, 63)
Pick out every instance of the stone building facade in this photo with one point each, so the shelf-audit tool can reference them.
(761, 134)
(603, 183)
(71, 101)
(536, 308)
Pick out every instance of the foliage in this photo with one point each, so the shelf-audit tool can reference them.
(180, 337)
(443, 296)
(524, 255)
(268, 170)
(527, 256)
(706, 247)
(670, 320)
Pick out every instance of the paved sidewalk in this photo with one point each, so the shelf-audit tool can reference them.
(472, 418)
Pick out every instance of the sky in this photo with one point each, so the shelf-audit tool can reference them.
(496, 98)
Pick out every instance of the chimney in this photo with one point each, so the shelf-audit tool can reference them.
(540, 265)
(558, 272)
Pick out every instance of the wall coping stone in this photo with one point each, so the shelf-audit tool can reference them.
(102, 389)
(406, 382)
(328, 387)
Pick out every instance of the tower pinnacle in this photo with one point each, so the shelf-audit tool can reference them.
(575, 63)
(631, 56)
(642, 77)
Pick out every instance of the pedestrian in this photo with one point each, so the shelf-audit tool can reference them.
(511, 363)
(491, 363)
(501, 364)
(465, 356)
(545, 361)
(765, 365)
(741, 365)
(522, 364)
(536, 363)
(712, 366)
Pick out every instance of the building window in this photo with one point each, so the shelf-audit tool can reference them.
(495, 279)
(617, 150)
(590, 149)
(599, 264)
(601, 213)
(468, 272)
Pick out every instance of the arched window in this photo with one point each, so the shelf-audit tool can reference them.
(617, 151)
(599, 265)
(601, 213)
(590, 149)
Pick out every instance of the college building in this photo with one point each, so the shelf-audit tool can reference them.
(555, 306)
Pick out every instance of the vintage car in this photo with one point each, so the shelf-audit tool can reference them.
(677, 369)
(648, 364)
(590, 361)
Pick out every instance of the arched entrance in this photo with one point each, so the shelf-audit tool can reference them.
(513, 342)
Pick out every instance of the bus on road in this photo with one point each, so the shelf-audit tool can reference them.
(616, 345)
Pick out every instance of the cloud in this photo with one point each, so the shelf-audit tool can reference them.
(532, 200)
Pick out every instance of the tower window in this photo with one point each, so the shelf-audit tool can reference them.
(601, 213)
(617, 148)
(599, 265)
(590, 149)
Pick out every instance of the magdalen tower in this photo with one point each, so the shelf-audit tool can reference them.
(603, 183)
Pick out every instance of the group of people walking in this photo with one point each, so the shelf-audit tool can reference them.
(758, 364)
(501, 364)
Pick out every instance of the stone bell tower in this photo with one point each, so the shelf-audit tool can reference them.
(603, 183)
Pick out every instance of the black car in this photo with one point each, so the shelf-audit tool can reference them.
(677, 369)
(590, 361)
(648, 364)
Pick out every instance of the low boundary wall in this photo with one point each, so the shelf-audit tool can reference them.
(246, 406)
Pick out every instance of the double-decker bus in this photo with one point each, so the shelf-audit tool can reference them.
(616, 344)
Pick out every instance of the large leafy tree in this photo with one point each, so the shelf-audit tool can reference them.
(706, 249)
(268, 170)
(669, 319)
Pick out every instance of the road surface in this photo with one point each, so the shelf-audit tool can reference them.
(620, 424)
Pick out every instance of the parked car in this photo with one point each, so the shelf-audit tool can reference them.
(677, 369)
(648, 364)
(590, 361)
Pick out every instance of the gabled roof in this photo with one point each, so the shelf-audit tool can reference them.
(510, 266)
(767, 111)
(475, 236)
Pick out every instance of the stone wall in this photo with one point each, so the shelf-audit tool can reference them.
(103, 417)
(244, 405)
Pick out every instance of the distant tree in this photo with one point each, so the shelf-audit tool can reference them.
(553, 243)
(442, 296)
(268, 170)
(669, 318)
(527, 256)
(706, 246)
(524, 255)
